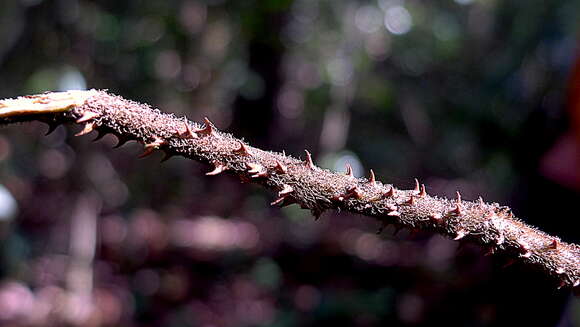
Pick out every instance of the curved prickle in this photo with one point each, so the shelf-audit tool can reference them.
(372, 179)
(207, 130)
(87, 115)
(89, 127)
(280, 168)
(218, 168)
(242, 150)
(187, 133)
(349, 170)
(309, 162)
(152, 146)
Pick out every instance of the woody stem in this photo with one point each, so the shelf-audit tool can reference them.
(297, 181)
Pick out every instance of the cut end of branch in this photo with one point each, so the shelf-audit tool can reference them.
(52, 102)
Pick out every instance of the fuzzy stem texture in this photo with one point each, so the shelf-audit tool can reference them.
(301, 181)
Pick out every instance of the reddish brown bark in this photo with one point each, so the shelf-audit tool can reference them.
(300, 181)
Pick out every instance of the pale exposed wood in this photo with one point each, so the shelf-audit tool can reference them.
(52, 102)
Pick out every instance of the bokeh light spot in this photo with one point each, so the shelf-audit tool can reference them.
(398, 20)
(368, 19)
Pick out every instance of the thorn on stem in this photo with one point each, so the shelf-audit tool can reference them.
(242, 150)
(526, 255)
(256, 170)
(187, 132)
(280, 168)
(457, 210)
(372, 178)
(287, 189)
(309, 162)
(150, 147)
(389, 193)
(352, 192)
(460, 234)
(349, 170)
(277, 201)
(89, 127)
(207, 130)
(417, 187)
(284, 201)
(87, 115)
(423, 192)
(218, 168)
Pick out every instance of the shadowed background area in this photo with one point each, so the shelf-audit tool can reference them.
(471, 95)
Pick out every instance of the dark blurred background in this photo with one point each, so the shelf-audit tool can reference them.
(480, 96)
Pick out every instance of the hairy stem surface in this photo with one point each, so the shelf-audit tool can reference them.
(301, 181)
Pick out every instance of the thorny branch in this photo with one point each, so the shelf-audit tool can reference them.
(301, 181)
